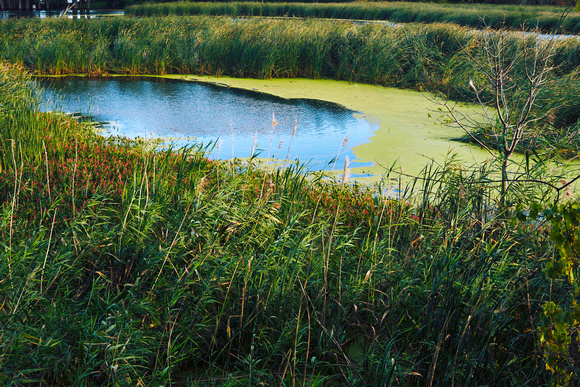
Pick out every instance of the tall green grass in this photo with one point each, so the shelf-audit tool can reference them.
(437, 57)
(407, 56)
(545, 18)
(125, 265)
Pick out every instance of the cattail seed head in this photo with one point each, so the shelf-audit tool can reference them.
(254, 144)
(346, 171)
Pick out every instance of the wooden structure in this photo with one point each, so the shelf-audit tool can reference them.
(38, 5)
(24, 5)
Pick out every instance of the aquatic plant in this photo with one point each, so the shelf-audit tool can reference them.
(497, 16)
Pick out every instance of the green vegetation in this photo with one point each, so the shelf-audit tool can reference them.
(544, 18)
(558, 328)
(125, 265)
(437, 57)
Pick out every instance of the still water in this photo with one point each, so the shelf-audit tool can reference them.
(233, 121)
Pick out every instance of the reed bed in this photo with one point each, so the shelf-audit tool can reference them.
(405, 56)
(545, 18)
(436, 57)
(122, 264)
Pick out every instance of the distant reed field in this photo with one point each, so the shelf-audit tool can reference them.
(545, 18)
(404, 56)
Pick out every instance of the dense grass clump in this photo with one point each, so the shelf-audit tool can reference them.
(405, 56)
(544, 18)
(122, 264)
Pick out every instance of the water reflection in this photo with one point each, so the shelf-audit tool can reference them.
(210, 114)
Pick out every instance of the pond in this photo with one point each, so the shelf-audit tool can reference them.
(232, 121)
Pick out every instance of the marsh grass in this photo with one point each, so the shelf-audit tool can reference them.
(545, 18)
(377, 54)
(437, 57)
(147, 266)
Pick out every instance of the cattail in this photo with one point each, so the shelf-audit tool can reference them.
(232, 127)
(293, 134)
(346, 171)
(201, 185)
(274, 123)
(219, 146)
(341, 147)
(472, 85)
(254, 145)
(344, 142)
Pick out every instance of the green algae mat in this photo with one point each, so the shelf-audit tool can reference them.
(410, 132)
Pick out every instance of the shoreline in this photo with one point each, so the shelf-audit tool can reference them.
(401, 119)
